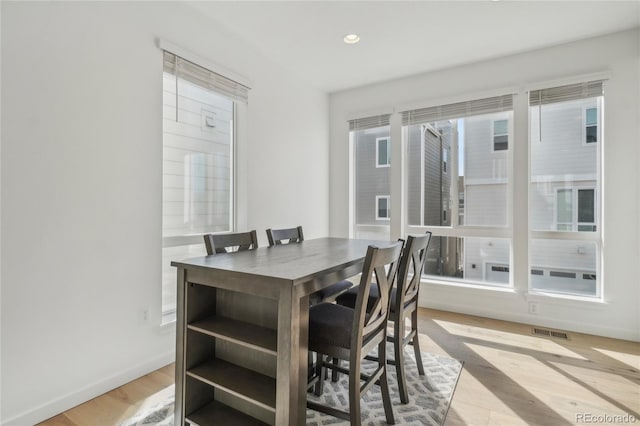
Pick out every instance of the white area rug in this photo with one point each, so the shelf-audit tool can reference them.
(429, 397)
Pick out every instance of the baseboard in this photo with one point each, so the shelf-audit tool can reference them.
(578, 327)
(64, 403)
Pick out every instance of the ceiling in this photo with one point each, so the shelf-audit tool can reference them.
(400, 38)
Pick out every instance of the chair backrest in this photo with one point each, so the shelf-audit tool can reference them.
(412, 260)
(285, 236)
(380, 267)
(228, 243)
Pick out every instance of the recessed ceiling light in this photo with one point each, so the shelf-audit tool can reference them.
(351, 38)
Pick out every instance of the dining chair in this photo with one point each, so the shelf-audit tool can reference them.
(404, 304)
(295, 235)
(231, 242)
(350, 334)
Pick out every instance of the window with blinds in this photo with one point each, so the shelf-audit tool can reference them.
(371, 146)
(458, 171)
(198, 162)
(565, 184)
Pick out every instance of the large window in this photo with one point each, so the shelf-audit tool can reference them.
(371, 148)
(457, 178)
(565, 188)
(198, 163)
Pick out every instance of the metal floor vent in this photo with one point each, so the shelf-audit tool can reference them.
(550, 333)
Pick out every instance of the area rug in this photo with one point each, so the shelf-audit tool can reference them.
(429, 397)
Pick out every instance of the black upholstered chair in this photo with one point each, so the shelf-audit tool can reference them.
(351, 333)
(295, 235)
(404, 304)
(227, 243)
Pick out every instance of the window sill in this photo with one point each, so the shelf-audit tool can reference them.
(471, 286)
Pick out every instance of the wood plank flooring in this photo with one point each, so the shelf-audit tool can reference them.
(510, 377)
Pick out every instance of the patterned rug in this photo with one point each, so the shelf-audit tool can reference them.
(429, 397)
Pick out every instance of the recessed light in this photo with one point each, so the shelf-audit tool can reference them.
(351, 38)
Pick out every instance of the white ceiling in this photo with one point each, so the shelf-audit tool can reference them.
(401, 38)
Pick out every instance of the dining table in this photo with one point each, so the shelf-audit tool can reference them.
(242, 329)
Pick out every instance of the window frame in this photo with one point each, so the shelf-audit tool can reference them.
(592, 237)
(237, 120)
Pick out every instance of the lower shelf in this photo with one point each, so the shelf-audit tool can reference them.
(216, 413)
(246, 384)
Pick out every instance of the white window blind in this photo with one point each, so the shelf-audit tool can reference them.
(458, 110)
(369, 122)
(569, 92)
(203, 77)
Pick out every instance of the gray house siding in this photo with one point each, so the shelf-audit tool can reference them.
(370, 180)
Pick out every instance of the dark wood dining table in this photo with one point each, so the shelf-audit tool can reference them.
(242, 329)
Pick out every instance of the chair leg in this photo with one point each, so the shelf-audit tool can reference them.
(384, 384)
(354, 393)
(398, 350)
(320, 370)
(416, 341)
(335, 374)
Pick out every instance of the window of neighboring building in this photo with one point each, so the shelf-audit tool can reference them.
(383, 152)
(591, 125)
(500, 135)
(382, 207)
(565, 188)
(445, 160)
(198, 142)
(581, 218)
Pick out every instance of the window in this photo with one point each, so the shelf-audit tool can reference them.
(198, 163)
(591, 125)
(383, 152)
(565, 184)
(382, 207)
(581, 218)
(445, 159)
(370, 144)
(500, 135)
(454, 181)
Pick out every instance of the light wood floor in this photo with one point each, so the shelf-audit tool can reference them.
(510, 377)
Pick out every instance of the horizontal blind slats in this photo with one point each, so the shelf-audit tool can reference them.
(566, 93)
(369, 122)
(458, 110)
(203, 77)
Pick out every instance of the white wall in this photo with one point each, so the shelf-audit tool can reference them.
(81, 187)
(617, 54)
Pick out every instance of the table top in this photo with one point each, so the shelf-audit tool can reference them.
(296, 263)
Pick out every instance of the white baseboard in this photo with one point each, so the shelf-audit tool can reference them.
(524, 318)
(70, 400)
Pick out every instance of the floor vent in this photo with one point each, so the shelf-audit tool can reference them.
(550, 333)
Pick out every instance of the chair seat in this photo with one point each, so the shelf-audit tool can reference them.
(330, 324)
(330, 291)
(348, 298)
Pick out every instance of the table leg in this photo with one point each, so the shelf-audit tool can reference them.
(180, 346)
(291, 395)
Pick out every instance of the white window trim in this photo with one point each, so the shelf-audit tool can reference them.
(388, 141)
(378, 198)
(493, 135)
